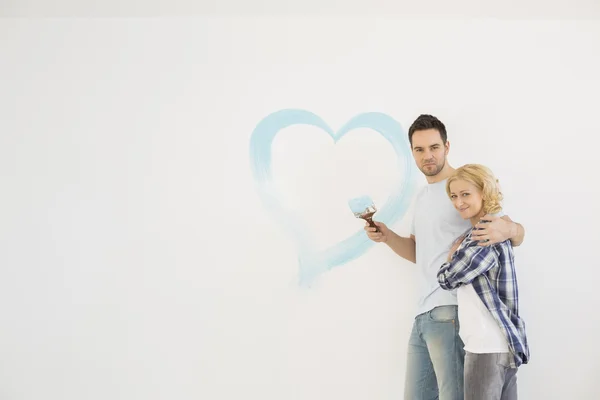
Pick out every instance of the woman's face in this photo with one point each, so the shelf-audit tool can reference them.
(466, 199)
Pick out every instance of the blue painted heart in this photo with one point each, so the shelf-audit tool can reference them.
(312, 263)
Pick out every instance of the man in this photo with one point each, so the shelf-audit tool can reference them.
(435, 351)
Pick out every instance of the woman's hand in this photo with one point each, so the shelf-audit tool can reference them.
(455, 246)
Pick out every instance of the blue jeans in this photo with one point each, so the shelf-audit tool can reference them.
(436, 357)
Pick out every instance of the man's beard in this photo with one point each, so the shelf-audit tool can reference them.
(434, 171)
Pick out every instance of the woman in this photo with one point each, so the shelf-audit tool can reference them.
(493, 333)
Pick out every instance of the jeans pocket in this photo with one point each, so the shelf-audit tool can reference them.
(443, 314)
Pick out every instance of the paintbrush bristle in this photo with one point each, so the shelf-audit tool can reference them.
(361, 205)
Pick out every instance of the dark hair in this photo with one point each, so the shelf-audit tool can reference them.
(426, 121)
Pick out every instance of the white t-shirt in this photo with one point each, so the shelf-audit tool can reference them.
(436, 225)
(479, 331)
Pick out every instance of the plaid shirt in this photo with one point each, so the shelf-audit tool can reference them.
(491, 271)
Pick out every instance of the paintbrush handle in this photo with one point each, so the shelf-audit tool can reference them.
(372, 224)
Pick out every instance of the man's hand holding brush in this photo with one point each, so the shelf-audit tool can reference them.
(404, 247)
(379, 237)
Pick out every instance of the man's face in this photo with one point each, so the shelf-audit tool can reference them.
(429, 151)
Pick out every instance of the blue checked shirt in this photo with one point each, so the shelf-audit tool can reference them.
(491, 271)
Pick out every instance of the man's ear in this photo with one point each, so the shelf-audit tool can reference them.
(447, 146)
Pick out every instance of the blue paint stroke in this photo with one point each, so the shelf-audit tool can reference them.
(312, 263)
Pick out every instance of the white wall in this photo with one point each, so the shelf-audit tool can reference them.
(138, 261)
(511, 9)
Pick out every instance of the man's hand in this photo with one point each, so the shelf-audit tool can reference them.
(491, 230)
(381, 236)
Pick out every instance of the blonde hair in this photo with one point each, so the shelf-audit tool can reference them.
(484, 180)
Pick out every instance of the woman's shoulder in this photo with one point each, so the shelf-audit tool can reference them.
(503, 248)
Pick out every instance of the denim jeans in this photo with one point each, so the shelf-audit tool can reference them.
(489, 376)
(435, 359)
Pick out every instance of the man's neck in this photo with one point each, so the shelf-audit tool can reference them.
(443, 174)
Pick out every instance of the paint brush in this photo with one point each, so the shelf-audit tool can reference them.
(363, 207)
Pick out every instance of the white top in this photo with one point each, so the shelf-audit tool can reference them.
(478, 329)
(436, 224)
